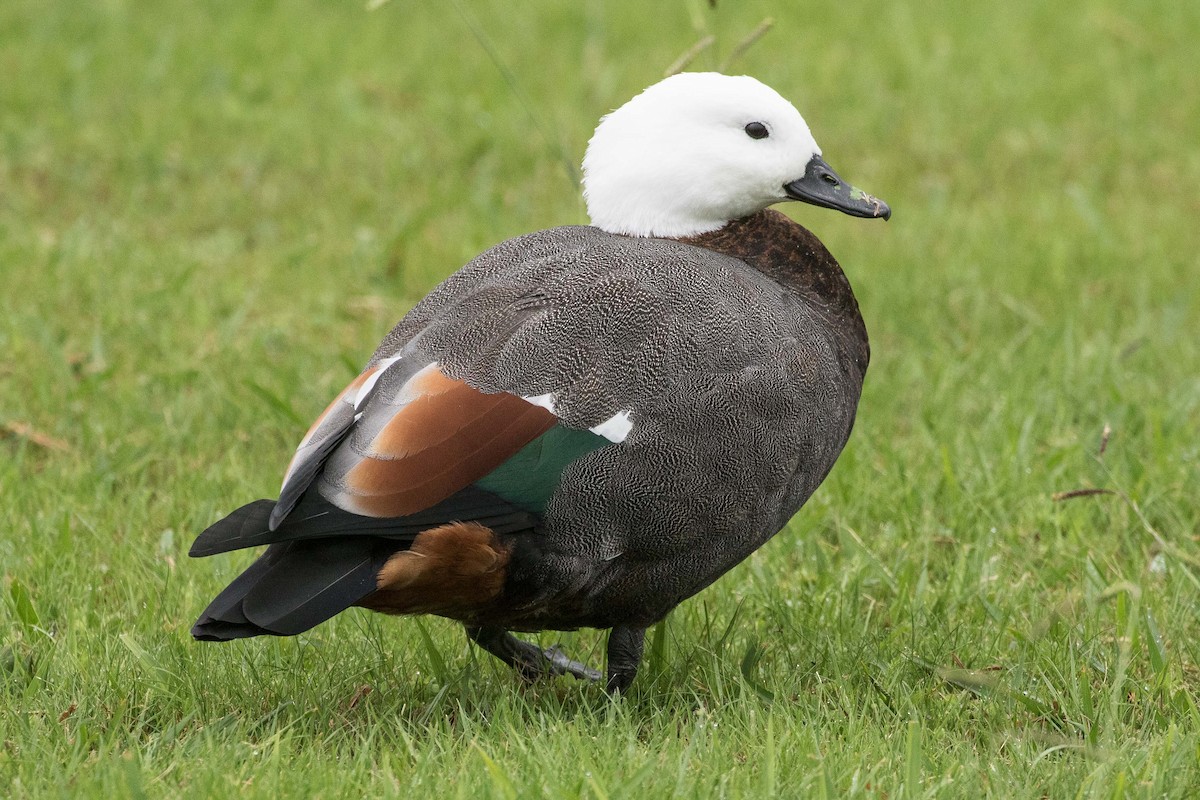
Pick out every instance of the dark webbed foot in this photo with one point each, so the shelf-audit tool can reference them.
(561, 665)
(624, 656)
(529, 660)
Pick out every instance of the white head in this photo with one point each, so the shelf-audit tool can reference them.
(693, 152)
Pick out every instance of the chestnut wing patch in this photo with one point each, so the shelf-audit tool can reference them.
(421, 437)
(403, 438)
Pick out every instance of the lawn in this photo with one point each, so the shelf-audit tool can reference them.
(211, 212)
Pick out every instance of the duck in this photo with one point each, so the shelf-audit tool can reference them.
(587, 425)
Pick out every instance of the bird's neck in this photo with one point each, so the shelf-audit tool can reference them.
(793, 257)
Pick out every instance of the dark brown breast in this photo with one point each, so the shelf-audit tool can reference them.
(794, 257)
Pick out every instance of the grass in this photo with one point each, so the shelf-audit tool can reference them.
(210, 213)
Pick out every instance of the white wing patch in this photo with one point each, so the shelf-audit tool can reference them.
(615, 428)
(545, 401)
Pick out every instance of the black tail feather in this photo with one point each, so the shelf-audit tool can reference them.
(313, 581)
(295, 586)
(321, 559)
(224, 619)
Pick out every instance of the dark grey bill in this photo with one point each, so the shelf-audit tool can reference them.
(821, 186)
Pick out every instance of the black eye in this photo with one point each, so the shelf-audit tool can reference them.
(756, 130)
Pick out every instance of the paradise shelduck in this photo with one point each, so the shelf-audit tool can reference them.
(586, 425)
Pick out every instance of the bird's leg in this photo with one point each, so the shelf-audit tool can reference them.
(624, 655)
(530, 661)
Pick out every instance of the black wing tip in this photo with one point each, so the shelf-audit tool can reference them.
(202, 549)
(229, 532)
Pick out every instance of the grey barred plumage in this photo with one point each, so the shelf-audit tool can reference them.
(583, 426)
